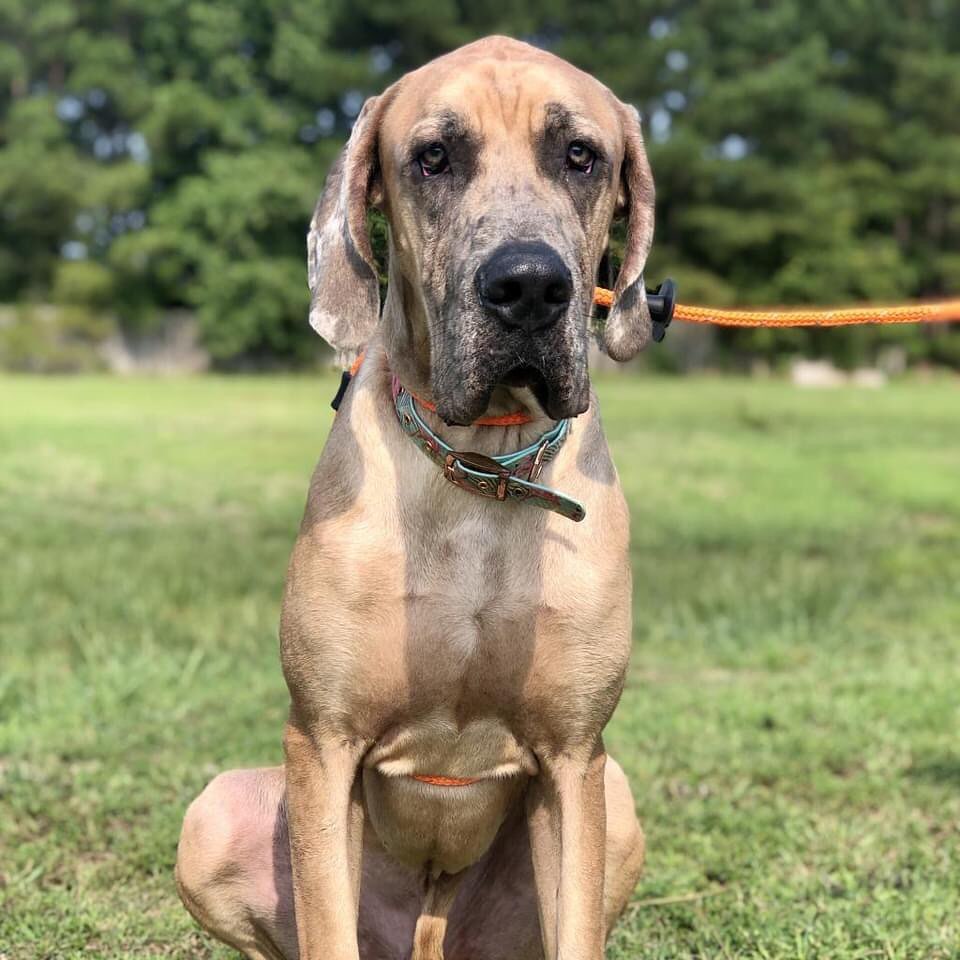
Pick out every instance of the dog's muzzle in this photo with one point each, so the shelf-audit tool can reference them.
(525, 285)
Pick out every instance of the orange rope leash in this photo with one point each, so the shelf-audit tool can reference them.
(939, 312)
(907, 313)
(444, 781)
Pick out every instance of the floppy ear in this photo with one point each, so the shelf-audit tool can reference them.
(628, 327)
(341, 271)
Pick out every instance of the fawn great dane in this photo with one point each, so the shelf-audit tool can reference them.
(456, 621)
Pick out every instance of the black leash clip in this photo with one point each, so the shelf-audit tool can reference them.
(661, 303)
(345, 379)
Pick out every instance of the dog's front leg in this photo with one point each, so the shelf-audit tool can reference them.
(567, 821)
(325, 816)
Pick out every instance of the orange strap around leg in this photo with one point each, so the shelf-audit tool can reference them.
(438, 781)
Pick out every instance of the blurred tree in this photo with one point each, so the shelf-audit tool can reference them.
(805, 151)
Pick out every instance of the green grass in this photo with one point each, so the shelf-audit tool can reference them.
(791, 726)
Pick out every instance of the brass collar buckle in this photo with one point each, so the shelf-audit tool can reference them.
(480, 462)
(537, 466)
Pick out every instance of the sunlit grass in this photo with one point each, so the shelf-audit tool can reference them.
(790, 726)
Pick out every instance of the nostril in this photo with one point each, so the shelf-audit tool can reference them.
(557, 292)
(504, 292)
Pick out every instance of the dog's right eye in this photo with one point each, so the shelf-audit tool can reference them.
(433, 160)
(580, 157)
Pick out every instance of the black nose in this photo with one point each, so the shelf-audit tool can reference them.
(525, 285)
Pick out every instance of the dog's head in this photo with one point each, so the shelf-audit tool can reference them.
(499, 168)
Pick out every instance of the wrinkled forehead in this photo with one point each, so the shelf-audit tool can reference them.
(500, 102)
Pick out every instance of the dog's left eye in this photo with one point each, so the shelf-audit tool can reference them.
(433, 160)
(580, 157)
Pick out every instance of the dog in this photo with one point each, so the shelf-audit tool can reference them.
(455, 627)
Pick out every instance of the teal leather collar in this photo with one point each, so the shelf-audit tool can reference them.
(509, 477)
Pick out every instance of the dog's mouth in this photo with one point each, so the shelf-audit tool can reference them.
(555, 373)
(560, 392)
(528, 376)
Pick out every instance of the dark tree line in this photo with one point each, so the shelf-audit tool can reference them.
(168, 154)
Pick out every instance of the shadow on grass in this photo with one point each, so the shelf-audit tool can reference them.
(943, 770)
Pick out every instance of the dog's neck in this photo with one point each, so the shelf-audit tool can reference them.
(490, 440)
(406, 345)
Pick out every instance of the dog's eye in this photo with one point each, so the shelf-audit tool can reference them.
(433, 160)
(580, 157)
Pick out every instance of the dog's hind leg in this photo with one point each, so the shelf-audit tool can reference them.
(625, 847)
(233, 864)
(233, 874)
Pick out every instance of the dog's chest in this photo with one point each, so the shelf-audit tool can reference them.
(476, 590)
(499, 615)
(430, 603)
(472, 587)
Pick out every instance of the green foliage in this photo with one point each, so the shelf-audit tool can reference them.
(804, 151)
(39, 184)
(36, 339)
(84, 282)
(789, 726)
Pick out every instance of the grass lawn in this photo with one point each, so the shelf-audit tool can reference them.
(791, 725)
